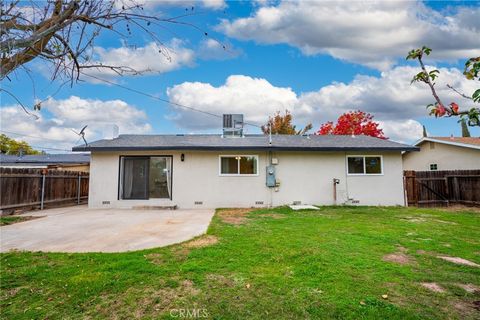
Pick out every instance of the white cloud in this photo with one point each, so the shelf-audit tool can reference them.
(405, 131)
(375, 34)
(211, 49)
(390, 98)
(151, 59)
(214, 4)
(72, 114)
(253, 97)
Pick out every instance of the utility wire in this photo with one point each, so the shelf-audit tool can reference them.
(38, 147)
(26, 135)
(48, 148)
(161, 99)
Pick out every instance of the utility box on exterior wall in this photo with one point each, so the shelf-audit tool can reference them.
(270, 176)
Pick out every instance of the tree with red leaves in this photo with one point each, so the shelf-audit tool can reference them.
(353, 122)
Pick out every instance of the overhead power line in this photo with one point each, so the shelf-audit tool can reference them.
(163, 100)
(35, 146)
(48, 148)
(30, 136)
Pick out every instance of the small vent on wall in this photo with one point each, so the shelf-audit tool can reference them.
(355, 201)
(258, 203)
(296, 203)
(105, 202)
(198, 203)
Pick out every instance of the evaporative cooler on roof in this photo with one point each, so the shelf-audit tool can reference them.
(233, 125)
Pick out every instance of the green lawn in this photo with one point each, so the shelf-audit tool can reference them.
(266, 264)
(6, 220)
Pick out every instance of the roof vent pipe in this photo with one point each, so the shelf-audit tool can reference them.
(111, 131)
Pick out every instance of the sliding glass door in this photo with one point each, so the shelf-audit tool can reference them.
(145, 177)
(159, 178)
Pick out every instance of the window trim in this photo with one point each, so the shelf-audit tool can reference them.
(364, 167)
(237, 174)
(120, 172)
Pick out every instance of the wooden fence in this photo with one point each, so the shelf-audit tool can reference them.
(441, 188)
(40, 188)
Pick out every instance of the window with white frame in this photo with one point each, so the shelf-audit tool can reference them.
(239, 165)
(364, 165)
(433, 167)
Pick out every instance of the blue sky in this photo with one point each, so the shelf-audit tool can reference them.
(316, 59)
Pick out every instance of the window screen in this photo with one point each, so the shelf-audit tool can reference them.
(248, 165)
(355, 165)
(238, 165)
(229, 165)
(373, 165)
(364, 165)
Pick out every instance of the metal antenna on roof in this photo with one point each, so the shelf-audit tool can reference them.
(82, 134)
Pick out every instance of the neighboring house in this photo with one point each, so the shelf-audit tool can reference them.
(212, 171)
(69, 162)
(444, 153)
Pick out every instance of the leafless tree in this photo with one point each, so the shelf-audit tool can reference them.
(63, 33)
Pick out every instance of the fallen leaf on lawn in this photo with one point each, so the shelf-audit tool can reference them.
(362, 303)
(384, 296)
(247, 285)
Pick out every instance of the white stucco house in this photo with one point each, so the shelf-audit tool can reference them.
(213, 171)
(444, 153)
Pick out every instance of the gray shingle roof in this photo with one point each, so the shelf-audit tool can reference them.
(45, 158)
(248, 142)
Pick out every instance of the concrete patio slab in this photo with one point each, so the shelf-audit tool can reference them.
(303, 207)
(79, 229)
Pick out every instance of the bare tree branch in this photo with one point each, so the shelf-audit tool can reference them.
(459, 93)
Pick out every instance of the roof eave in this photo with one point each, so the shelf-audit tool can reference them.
(265, 148)
(451, 143)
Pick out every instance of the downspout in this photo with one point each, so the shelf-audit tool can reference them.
(346, 175)
(269, 159)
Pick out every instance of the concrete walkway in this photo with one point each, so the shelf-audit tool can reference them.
(79, 229)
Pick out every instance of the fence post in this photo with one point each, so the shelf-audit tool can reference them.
(456, 189)
(43, 190)
(78, 189)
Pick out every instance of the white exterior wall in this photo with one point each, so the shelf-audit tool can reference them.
(447, 157)
(304, 176)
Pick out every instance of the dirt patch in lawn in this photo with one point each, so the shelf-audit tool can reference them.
(414, 219)
(469, 287)
(459, 208)
(272, 215)
(137, 303)
(7, 220)
(9, 293)
(203, 241)
(432, 286)
(476, 305)
(397, 257)
(466, 309)
(445, 222)
(458, 260)
(218, 280)
(234, 216)
(154, 258)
